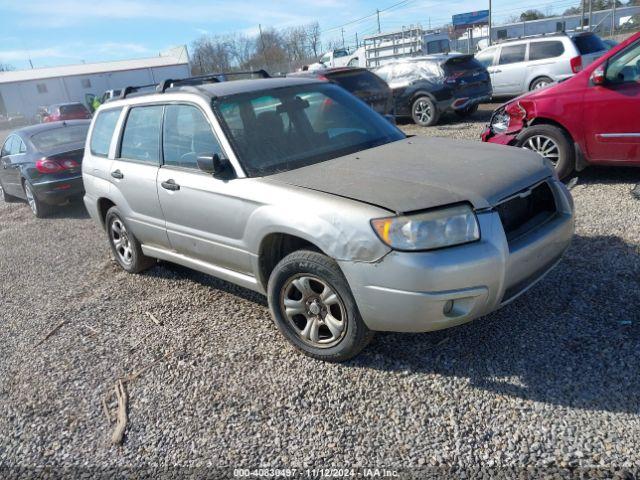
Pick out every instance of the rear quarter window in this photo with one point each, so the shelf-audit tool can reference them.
(587, 44)
(543, 50)
(358, 81)
(512, 54)
(103, 128)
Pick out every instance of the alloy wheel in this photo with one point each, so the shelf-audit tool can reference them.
(121, 241)
(314, 310)
(423, 111)
(31, 199)
(541, 84)
(545, 146)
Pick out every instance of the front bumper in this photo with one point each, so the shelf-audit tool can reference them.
(426, 291)
(499, 138)
(58, 190)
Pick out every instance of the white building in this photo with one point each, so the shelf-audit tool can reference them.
(23, 91)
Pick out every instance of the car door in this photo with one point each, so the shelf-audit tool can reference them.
(612, 122)
(134, 172)
(13, 156)
(510, 69)
(205, 218)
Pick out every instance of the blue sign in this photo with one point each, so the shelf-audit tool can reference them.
(470, 19)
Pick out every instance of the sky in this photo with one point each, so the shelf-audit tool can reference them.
(60, 32)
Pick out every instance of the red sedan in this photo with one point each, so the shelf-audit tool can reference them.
(591, 118)
(67, 111)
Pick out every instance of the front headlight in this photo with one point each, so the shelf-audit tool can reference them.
(500, 122)
(426, 231)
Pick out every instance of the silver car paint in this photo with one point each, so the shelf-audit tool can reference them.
(220, 227)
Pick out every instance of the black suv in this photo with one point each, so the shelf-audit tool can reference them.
(426, 87)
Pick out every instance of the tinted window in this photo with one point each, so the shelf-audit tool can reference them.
(625, 66)
(485, 57)
(438, 46)
(542, 50)
(589, 44)
(56, 137)
(461, 65)
(7, 148)
(357, 81)
(512, 54)
(141, 138)
(72, 109)
(287, 128)
(186, 135)
(103, 128)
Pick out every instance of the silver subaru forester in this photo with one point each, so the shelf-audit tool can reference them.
(296, 189)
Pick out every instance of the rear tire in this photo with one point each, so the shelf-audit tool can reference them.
(124, 245)
(313, 307)
(540, 83)
(467, 112)
(424, 112)
(39, 208)
(552, 143)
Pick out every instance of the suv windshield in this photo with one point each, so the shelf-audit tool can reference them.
(589, 43)
(287, 128)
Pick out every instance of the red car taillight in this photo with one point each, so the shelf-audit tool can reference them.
(576, 64)
(47, 165)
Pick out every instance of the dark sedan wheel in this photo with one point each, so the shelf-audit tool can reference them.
(312, 305)
(552, 143)
(124, 245)
(39, 209)
(425, 112)
(5, 196)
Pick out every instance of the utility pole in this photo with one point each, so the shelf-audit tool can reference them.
(262, 42)
(490, 12)
(582, 16)
(613, 18)
(590, 13)
(357, 46)
(342, 37)
(378, 13)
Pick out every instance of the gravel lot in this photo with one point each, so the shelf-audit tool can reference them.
(552, 381)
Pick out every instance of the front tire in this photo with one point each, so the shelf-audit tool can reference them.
(552, 143)
(39, 209)
(313, 307)
(424, 112)
(124, 245)
(540, 83)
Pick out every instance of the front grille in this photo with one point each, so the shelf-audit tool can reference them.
(527, 211)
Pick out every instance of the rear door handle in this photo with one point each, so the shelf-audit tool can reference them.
(170, 185)
(117, 174)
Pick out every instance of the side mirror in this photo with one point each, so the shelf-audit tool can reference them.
(213, 164)
(599, 77)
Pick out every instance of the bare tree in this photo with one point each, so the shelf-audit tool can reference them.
(313, 37)
(211, 54)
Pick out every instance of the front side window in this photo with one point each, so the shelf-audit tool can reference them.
(286, 128)
(186, 135)
(103, 129)
(512, 54)
(625, 66)
(141, 137)
(543, 50)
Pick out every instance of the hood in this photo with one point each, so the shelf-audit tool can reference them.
(420, 173)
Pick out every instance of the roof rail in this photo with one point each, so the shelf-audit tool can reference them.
(131, 89)
(209, 78)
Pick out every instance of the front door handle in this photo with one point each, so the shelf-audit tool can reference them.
(117, 174)
(170, 185)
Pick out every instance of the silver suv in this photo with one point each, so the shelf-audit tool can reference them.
(526, 64)
(296, 189)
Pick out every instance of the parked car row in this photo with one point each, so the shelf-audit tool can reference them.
(63, 111)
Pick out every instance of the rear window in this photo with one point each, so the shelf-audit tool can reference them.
(103, 128)
(542, 50)
(512, 54)
(438, 46)
(587, 44)
(50, 139)
(358, 81)
(72, 109)
(461, 64)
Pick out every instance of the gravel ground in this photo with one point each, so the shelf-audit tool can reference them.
(550, 382)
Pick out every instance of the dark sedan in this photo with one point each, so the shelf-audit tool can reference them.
(42, 164)
(426, 87)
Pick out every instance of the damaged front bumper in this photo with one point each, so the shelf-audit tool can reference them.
(426, 291)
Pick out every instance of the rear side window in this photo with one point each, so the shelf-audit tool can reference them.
(103, 128)
(485, 57)
(461, 65)
(587, 44)
(358, 81)
(141, 137)
(187, 135)
(512, 54)
(542, 50)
